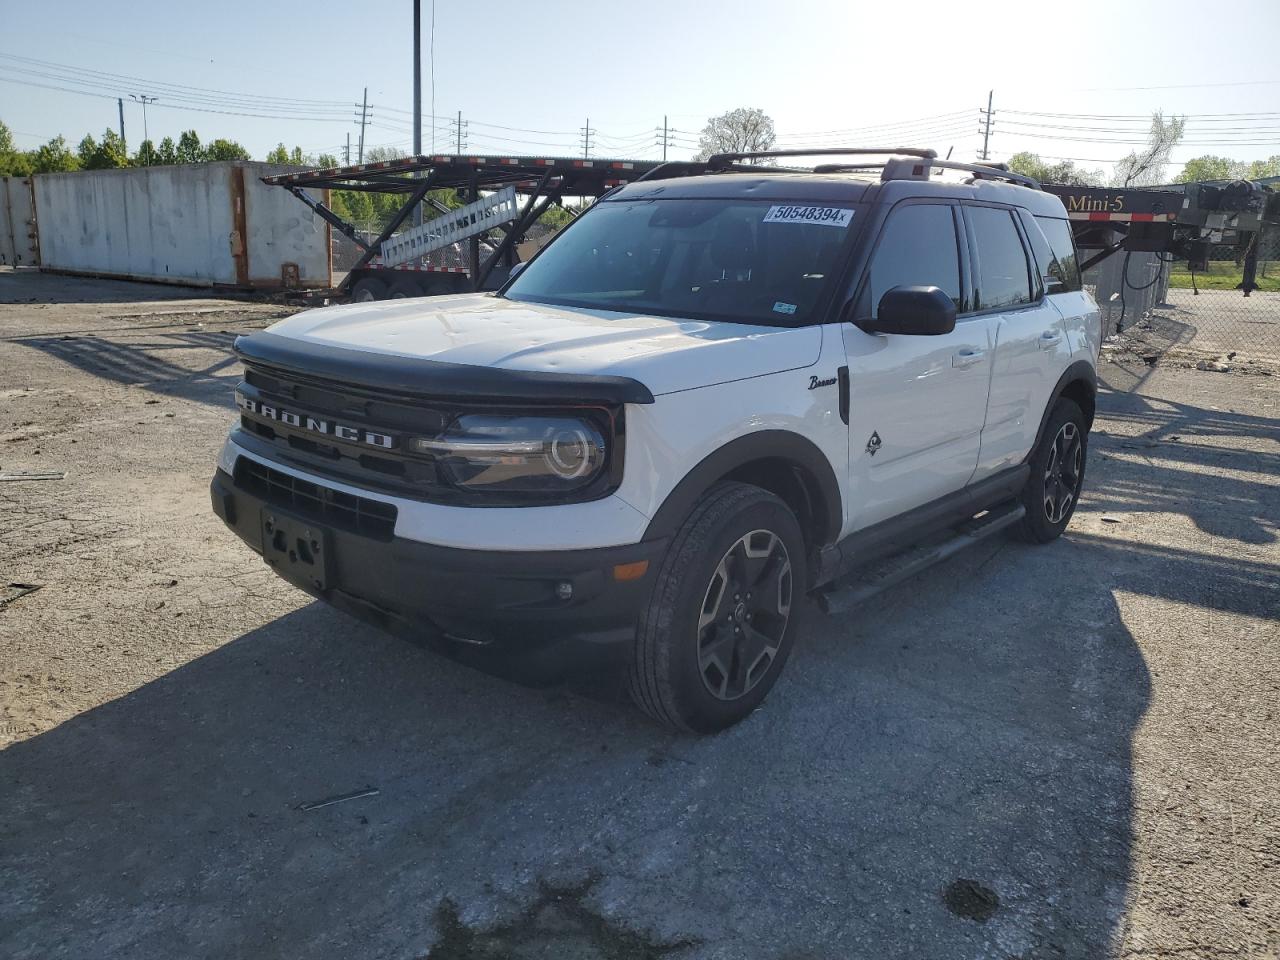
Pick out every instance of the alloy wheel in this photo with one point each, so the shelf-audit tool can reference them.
(744, 614)
(1062, 474)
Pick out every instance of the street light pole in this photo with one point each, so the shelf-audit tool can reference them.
(143, 99)
(417, 91)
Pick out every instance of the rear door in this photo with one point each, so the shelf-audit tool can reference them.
(1026, 332)
(916, 402)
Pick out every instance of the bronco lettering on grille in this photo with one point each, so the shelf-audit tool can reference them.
(302, 421)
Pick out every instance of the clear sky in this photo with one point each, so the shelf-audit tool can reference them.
(528, 76)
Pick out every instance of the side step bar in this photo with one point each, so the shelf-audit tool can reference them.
(857, 588)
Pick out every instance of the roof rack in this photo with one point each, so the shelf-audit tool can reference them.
(991, 171)
(723, 161)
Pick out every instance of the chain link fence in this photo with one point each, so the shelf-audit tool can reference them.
(1153, 303)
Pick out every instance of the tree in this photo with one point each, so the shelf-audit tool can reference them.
(1065, 171)
(221, 149)
(189, 149)
(1209, 167)
(146, 155)
(743, 130)
(326, 160)
(1269, 167)
(107, 155)
(281, 154)
(13, 162)
(53, 157)
(166, 153)
(1145, 167)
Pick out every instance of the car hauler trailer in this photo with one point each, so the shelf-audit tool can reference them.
(505, 197)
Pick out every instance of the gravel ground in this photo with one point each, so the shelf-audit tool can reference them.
(1052, 752)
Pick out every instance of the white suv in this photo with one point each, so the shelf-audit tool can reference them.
(719, 389)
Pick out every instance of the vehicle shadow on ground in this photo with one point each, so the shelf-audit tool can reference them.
(942, 773)
(192, 364)
(1150, 470)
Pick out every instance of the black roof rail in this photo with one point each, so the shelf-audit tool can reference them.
(723, 160)
(983, 170)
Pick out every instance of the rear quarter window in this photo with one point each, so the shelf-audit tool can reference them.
(1062, 267)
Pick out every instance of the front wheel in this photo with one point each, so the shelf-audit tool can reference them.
(1057, 474)
(721, 620)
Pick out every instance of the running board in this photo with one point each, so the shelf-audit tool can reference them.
(862, 585)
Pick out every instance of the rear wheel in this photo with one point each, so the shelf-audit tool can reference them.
(1057, 474)
(721, 620)
(367, 289)
(403, 288)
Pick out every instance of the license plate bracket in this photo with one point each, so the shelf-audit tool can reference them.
(299, 550)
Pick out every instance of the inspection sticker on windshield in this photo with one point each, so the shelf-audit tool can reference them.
(827, 216)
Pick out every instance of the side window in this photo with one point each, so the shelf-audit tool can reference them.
(1003, 277)
(1065, 267)
(917, 246)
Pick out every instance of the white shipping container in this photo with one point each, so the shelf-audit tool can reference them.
(205, 224)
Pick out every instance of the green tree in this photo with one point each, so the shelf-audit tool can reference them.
(1065, 171)
(189, 149)
(105, 155)
(13, 162)
(166, 153)
(1269, 167)
(1209, 167)
(146, 155)
(326, 160)
(221, 149)
(53, 157)
(280, 154)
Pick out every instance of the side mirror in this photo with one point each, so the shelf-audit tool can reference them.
(913, 311)
(515, 270)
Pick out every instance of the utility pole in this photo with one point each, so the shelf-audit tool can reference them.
(986, 130)
(143, 99)
(120, 107)
(586, 139)
(666, 133)
(364, 113)
(417, 94)
(346, 156)
(460, 128)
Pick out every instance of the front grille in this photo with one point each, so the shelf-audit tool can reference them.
(371, 518)
(390, 468)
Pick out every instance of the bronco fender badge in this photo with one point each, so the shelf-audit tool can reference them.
(815, 383)
(874, 443)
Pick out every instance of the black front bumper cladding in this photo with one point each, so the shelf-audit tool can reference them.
(485, 597)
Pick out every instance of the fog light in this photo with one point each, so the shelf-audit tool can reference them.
(564, 590)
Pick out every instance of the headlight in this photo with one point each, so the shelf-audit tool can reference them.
(518, 454)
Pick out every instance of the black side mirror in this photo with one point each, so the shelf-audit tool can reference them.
(915, 311)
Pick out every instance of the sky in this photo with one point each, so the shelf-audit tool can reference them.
(1079, 84)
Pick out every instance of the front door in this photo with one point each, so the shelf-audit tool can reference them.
(917, 403)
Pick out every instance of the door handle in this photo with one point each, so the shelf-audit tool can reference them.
(1049, 339)
(967, 358)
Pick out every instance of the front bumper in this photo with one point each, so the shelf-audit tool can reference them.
(483, 597)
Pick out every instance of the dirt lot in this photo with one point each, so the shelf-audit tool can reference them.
(1050, 752)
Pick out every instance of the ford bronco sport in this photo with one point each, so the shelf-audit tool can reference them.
(720, 388)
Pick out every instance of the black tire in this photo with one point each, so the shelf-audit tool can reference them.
(699, 677)
(1057, 474)
(367, 289)
(403, 288)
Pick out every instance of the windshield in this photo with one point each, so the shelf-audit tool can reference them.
(745, 261)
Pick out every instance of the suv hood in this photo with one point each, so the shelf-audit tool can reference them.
(665, 354)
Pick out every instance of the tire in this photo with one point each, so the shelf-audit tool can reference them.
(1057, 474)
(403, 288)
(687, 670)
(368, 289)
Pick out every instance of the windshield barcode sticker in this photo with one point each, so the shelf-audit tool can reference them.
(780, 307)
(827, 216)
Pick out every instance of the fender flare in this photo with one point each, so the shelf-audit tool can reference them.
(762, 445)
(1081, 370)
